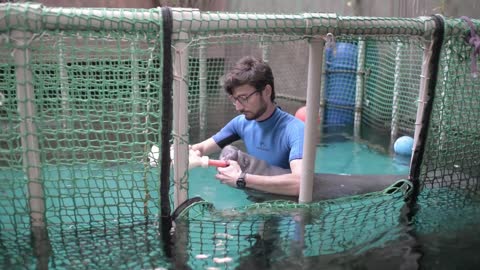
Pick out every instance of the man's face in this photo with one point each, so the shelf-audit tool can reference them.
(249, 101)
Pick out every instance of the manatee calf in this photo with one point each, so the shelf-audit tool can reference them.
(325, 186)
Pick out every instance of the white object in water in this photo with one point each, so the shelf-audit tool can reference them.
(153, 156)
(201, 256)
(222, 260)
(2, 99)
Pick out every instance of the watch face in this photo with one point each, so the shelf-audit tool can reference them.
(241, 183)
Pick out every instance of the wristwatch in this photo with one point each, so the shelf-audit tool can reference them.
(241, 181)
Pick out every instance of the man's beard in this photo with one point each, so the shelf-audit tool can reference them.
(262, 109)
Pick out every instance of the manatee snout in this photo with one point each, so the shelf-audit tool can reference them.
(229, 152)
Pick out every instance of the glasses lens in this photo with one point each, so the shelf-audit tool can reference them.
(241, 99)
(233, 100)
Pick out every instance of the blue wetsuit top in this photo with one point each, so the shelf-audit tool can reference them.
(277, 140)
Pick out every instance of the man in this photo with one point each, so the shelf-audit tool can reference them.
(267, 132)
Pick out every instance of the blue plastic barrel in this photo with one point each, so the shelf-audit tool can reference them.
(340, 84)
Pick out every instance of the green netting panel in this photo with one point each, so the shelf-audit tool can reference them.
(96, 111)
(392, 83)
(390, 74)
(280, 234)
(209, 108)
(79, 111)
(130, 246)
(447, 211)
(452, 154)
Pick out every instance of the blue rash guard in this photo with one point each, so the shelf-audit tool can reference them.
(277, 140)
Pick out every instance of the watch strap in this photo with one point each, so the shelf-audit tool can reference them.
(241, 183)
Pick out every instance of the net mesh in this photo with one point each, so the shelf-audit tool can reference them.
(80, 110)
(452, 145)
(279, 233)
(81, 106)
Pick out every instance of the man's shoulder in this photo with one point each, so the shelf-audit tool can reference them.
(238, 119)
(289, 118)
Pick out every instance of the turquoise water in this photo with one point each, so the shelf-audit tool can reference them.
(202, 183)
(349, 157)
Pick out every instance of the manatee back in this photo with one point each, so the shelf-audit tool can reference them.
(330, 186)
(325, 186)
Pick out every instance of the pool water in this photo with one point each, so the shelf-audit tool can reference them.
(350, 157)
(202, 183)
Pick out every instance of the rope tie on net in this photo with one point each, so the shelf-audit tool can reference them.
(474, 40)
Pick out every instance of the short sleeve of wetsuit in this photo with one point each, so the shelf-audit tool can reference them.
(295, 134)
(230, 133)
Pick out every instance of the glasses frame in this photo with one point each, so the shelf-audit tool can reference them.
(242, 99)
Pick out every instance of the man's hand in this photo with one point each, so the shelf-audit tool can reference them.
(229, 175)
(196, 151)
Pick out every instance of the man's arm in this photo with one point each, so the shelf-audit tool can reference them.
(206, 147)
(285, 184)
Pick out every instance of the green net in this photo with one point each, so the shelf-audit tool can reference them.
(81, 105)
(80, 110)
(283, 232)
(452, 147)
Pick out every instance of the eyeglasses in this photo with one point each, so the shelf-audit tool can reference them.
(242, 99)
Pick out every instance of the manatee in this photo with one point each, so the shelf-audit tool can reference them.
(325, 186)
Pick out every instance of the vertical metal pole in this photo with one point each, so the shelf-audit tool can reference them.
(315, 61)
(180, 124)
(396, 94)
(30, 148)
(423, 95)
(323, 94)
(135, 78)
(360, 85)
(203, 95)
(265, 46)
(444, 97)
(28, 131)
(64, 86)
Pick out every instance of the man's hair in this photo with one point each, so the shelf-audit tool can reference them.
(252, 71)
